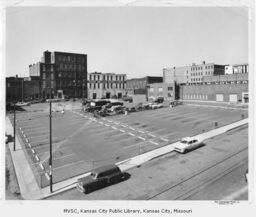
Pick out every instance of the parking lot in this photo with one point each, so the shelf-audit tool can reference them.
(82, 142)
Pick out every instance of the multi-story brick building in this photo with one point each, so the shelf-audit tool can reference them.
(141, 85)
(192, 74)
(21, 89)
(61, 73)
(106, 85)
(224, 88)
(165, 90)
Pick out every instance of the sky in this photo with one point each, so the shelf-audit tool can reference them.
(138, 41)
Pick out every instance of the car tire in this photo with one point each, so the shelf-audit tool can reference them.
(86, 190)
(185, 151)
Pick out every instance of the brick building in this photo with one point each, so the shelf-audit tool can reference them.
(106, 85)
(192, 74)
(141, 85)
(224, 88)
(61, 73)
(165, 90)
(21, 89)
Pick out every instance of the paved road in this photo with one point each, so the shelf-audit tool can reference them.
(197, 175)
(81, 144)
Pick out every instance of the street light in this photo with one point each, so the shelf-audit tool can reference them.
(14, 127)
(50, 159)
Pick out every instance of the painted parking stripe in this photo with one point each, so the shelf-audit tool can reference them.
(41, 165)
(47, 176)
(131, 134)
(141, 131)
(33, 151)
(151, 135)
(141, 138)
(123, 125)
(66, 165)
(29, 145)
(114, 128)
(109, 121)
(155, 143)
(131, 128)
(121, 130)
(117, 123)
(166, 140)
(37, 158)
(107, 125)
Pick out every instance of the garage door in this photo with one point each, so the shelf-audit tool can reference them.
(219, 97)
(233, 98)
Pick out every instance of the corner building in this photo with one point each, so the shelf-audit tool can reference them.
(61, 73)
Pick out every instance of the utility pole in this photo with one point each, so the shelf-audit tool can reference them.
(50, 160)
(14, 127)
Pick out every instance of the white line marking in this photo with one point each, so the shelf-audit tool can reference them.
(131, 134)
(26, 140)
(141, 138)
(122, 130)
(41, 165)
(107, 125)
(166, 140)
(124, 125)
(100, 122)
(141, 131)
(114, 128)
(109, 121)
(155, 143)
(131, 128)
(68, 164)
(104, 119)
(47, 176)
(37, 158)
(151, 135)
(33, 151)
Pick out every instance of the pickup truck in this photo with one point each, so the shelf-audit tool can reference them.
(100, 177)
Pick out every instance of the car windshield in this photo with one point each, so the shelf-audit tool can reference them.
(184, 141)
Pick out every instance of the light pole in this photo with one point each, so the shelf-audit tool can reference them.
(14, 127)
(50, 159)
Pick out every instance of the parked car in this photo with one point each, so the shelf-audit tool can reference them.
(175, 103)
(246, 176)
(22, 103)
(100, 177)
(188, 144)
(155, 105)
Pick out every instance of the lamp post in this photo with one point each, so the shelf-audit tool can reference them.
(50, 159)
(14, 127)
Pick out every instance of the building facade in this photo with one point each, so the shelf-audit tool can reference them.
(224, 88)
(61, 73)
(106, 85)
(192, 74)
(165, 90)
(240, 68)
(141, 85)
(22, 89)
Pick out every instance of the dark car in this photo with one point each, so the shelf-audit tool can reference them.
(100, 177)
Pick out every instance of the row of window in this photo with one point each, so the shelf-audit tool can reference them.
(71, 58)
(195, 96)
(106, 85)
(160, 89)
(71, 67)
(107, 77)
(200, 73)
(196, 79)
(48, 84)
(201, 68)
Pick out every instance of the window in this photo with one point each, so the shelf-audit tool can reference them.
(43, 68)
(52, 76)
(151, 89)
(169, 95)
(43, 75)
(98, 85)
(52, 84)
(94, 86)
(170, 88)
(51, 68)
(160, 89)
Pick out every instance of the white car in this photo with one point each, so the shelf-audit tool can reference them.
(155, 105)
(187, 144)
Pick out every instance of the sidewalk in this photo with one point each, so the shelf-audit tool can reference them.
(30, 189)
